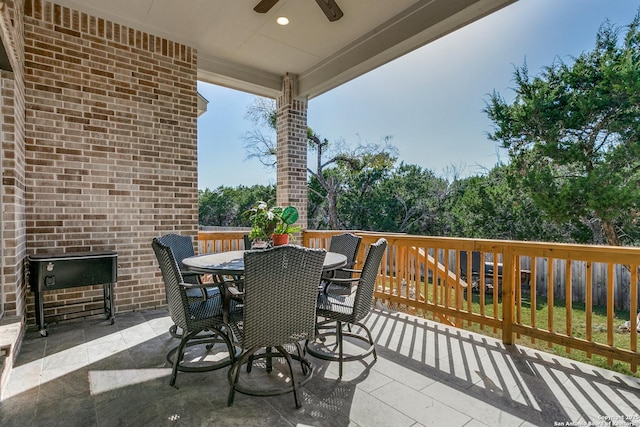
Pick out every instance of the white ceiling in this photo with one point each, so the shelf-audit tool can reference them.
(245, 50)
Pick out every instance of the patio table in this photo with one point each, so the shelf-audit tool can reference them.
(231, 263)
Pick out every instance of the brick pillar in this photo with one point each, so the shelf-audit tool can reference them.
(291, 125)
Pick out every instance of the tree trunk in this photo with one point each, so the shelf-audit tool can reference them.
(332, 205)
(604, 232)
(610, 233)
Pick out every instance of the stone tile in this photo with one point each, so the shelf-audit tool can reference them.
(64, 338)
(249, 411)
(129, 318)
(426, 374)
(330, 395)
(476, 423)
(413, 378)
(149, 354)
(94, 330)
(117, 361)
(474, 405)
(422, 408)
(587, 397)
(63, 382)
(317, 411)
(70, 356)
(105, 347)
(19, 409)
(370, 411)
(137, 334)
(160, 325)
(31, 350)
(60, 328)
(24, 378)
(71, 411)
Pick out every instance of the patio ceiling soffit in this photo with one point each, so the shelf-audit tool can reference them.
(422, 23)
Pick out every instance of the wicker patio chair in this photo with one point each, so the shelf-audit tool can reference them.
(182, 247)
(192, 315)
(349, 309)
(281, 287)
(348, 245)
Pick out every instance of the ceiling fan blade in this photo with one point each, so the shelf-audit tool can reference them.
(265, 5)
(331, 9)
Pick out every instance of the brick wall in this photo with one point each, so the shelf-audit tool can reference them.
(111, 148)
(12, 104)
(291, 124)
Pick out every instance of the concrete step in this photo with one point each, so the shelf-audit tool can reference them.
(11, 333)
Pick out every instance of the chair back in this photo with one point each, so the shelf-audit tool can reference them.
(176, 295)
(247, 242)
(368, 277)
(281, 287)
(182, 247)
(348, 245)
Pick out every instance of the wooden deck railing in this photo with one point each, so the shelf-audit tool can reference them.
(520, 289)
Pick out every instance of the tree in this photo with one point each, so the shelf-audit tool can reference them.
(336, 168)
(333, 161)
(260, 143)
(573, 135)
(403, 199)
(489, 207)
(224, 206)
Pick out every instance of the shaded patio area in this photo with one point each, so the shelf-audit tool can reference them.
(89, 372)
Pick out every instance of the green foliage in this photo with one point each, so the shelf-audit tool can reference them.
(223, 206)
(266, 220)
(573, 134)
(574, 173)
(495, 206)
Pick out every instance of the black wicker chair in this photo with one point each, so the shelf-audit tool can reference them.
(348, 245)
(281, 287)
(349, 309)
(192, 315)
(182, 247)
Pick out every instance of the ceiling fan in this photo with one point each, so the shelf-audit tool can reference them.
(329, 7)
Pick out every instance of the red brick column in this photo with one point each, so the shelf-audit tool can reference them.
(291, 125)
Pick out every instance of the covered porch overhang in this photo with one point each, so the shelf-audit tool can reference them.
(98, 129)
(247, 51)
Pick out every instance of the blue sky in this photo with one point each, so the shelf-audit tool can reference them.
(429, 102)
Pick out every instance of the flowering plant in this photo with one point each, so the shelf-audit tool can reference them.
(266, 221)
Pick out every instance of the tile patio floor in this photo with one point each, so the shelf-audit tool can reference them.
(91, 373)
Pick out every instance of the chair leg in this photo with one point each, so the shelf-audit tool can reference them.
(375, 355)
(178, 356)
(301, 355)
(340, 349)
(234, 373)
(173, 330)
(226, 336)
(294, 382)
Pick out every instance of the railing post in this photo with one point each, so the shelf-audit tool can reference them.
(508, 268)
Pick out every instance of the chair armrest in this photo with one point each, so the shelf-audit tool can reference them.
(343, 281)
(347, 283)
(235, 292)
(350, 270)
(196, 285)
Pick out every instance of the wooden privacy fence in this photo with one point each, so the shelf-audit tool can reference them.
(579, 270)
(491, 282)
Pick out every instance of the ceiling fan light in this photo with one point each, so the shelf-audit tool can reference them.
(282, 20)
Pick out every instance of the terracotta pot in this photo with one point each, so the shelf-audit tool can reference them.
(279, 239)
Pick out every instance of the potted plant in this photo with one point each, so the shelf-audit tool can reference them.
(272, 224)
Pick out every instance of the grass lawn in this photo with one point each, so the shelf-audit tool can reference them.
(578, 329)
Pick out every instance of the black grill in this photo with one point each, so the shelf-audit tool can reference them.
(60, 271)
